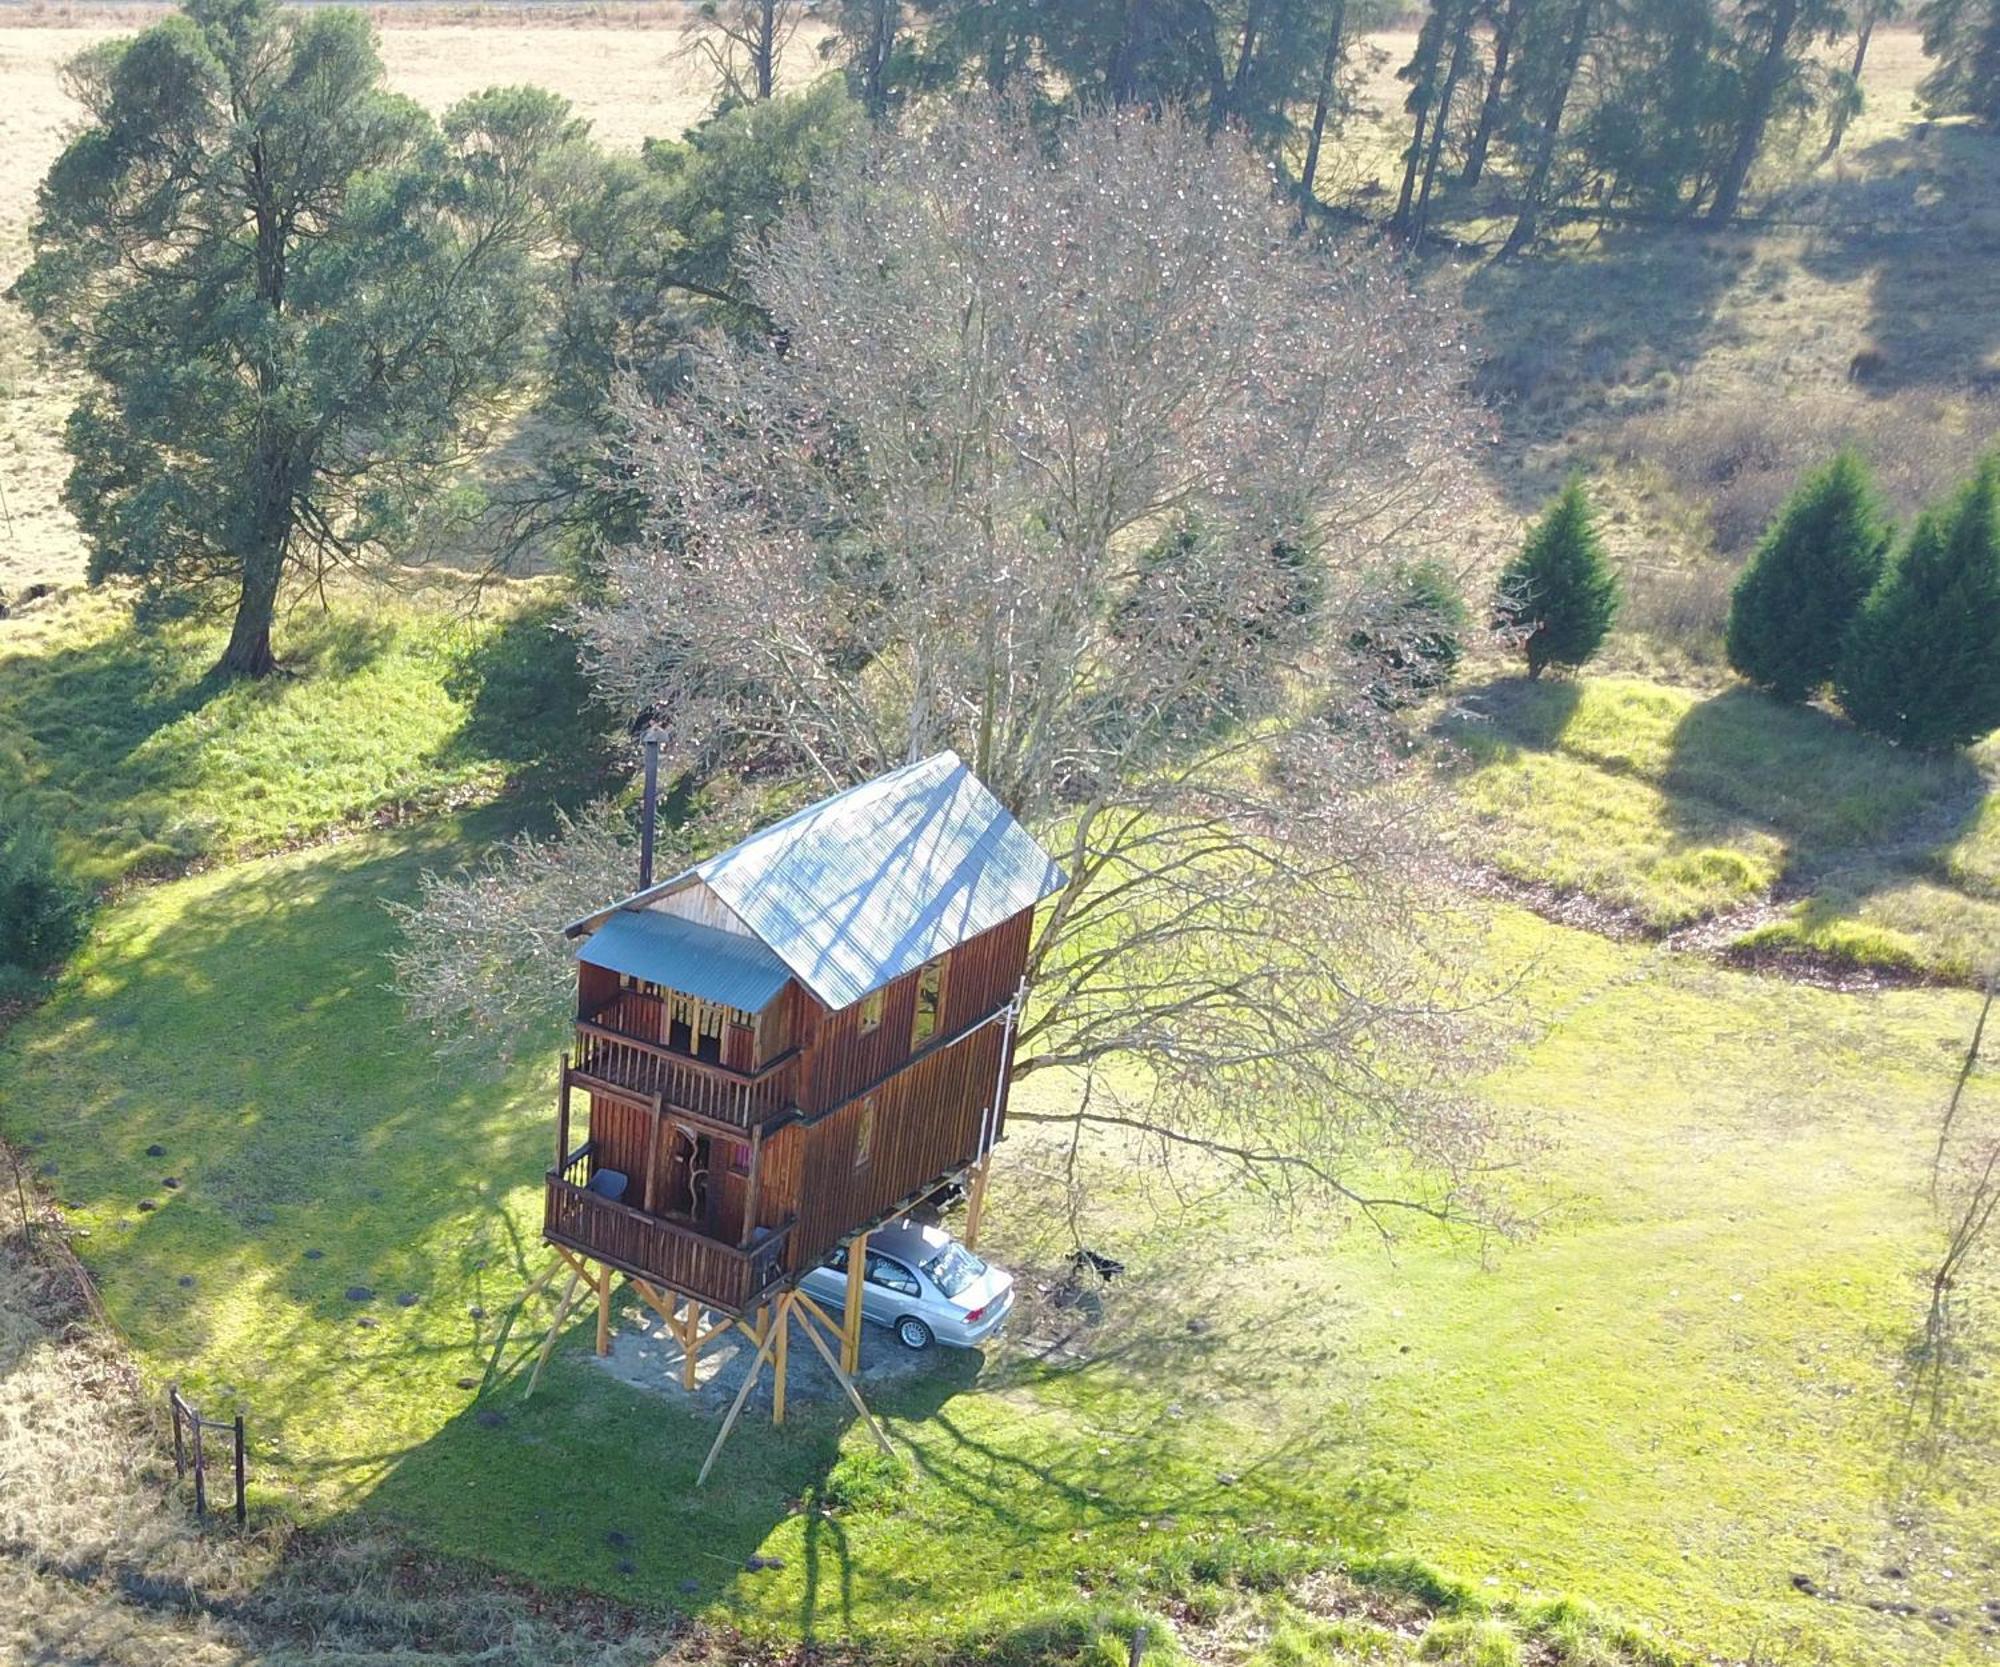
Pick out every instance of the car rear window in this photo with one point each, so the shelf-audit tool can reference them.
(953, 1268)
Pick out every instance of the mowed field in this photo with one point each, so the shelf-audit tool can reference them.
(1688, 1397)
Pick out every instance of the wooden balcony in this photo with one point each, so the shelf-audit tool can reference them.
(654, 1249)
(618, 1046)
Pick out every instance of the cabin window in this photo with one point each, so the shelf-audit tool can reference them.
(930, 1000)
(864, 1134)
(871, 1011)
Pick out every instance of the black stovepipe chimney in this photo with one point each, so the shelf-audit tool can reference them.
(649, 805)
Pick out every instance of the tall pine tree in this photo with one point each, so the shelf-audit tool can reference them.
(1559, 593)
(1806, 580)
(1922, 663)
(1962, 38)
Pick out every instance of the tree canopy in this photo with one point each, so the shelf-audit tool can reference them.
(1087, 480)
(1806, 579)
(300, 299)
(1922, 662)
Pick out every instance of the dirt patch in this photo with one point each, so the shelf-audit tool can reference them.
(647, 1356)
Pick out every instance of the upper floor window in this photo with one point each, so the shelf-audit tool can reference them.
(864, 1134)
(930, 1001)
(871, 1011)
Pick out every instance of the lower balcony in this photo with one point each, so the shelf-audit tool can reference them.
(660, 1251)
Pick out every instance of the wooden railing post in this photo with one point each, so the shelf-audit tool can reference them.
(562, 1117)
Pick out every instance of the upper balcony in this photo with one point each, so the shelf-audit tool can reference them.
(623, 1043)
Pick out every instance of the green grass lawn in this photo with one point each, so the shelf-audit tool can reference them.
(1681, 1392)
(1672, 807)
(118, 738)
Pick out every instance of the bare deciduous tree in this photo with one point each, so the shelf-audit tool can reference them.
(743, 43)
(1075, 460)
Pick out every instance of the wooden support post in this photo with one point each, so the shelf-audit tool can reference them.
(846, 1382)
(603, 1310)
(850, 1319)
(975, 1202)
(735, 1409)
(562, 1118)
(690, 1344)
(750, 1188)
(781, 1336)
(652, 1159)
(549, 1342)
(242, 1504)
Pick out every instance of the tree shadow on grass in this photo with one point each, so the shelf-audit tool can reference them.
(1918, 217)
(1560, 336)
(532, 708)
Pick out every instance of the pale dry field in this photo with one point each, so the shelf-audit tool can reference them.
(632, 79)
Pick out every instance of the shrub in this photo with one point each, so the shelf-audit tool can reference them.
(43, 912)
(1413, 635)
(1806, 581)
(1465, 1642)
(1921, 665)
(1560, 592)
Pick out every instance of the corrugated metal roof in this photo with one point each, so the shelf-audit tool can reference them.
(864, 886)
(683, 955)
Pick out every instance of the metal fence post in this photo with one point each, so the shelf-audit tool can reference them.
(242, 1506)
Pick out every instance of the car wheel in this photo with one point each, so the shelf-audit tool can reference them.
(912, 1333)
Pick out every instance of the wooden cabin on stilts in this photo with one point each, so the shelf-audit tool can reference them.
(781, 1049)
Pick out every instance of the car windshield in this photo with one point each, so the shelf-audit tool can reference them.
(953, 1268)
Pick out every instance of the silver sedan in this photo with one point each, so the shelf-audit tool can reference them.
(922, 1284)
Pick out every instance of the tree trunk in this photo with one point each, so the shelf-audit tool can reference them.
(1329, 75)
(1121, 76)
(1527, 223)
(1460, 50)
(1423, 89)
(764, 58)
(881, 47)
(1246, 48)
(1764, 84)
(249, 651)
(1843, 112)
(1505, 27)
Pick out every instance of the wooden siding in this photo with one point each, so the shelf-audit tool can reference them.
(928, 1114)
(926, 1126)
(697, 903)
(839, 1059)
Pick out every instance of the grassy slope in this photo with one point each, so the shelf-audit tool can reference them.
(119, 740)
(1596, 1412)
(1675, 806)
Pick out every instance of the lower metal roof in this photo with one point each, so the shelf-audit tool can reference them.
(702, 961)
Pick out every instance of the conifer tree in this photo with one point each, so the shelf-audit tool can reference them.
(1559, 593)
(1808, 577)
(1922, 662)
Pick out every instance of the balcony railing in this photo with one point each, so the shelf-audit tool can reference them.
(612, 1045)
(654, 1249)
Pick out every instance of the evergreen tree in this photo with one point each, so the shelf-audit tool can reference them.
(1963, 40)
(1922, 662)
(1559, 593)
(1807, 578)
(297, 295)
